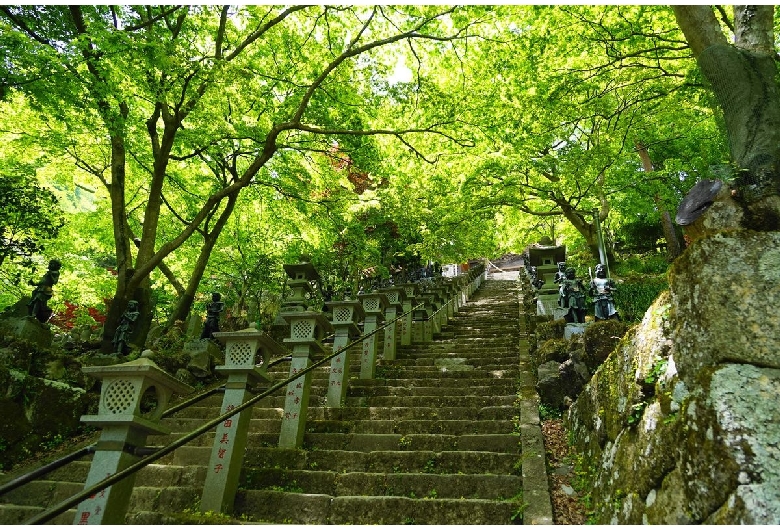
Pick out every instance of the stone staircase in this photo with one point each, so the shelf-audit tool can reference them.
(436, 438)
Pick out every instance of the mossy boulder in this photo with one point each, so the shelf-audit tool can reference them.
(550, 329)
(553, 350)
(35, 412)
(600, 339)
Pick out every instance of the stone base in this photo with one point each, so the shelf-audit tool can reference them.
(573, 328)
(546, 304)
(29, 329)
(204, 354)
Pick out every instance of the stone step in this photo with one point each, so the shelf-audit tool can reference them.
(432, 439)
(364, 413)
(297, 508)
(368, 426)
(411, 485)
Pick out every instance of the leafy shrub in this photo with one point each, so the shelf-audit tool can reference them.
(634, 296)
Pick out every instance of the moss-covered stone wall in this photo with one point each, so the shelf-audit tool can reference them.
(681, 423)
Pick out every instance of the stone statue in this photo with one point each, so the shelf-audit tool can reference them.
(560, 275)
(42, 293)
(601, 289)
(125, 328)
(535, 280)
(573, 295)
(213, 309)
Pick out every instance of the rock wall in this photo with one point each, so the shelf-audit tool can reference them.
(681, 424)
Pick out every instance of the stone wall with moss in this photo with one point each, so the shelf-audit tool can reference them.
(681, 423)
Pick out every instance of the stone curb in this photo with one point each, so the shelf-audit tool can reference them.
(536, 484)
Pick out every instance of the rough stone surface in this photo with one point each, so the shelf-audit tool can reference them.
(725, 292)
(29, 329)
(34, 409)
(203, 355)
(681, 424)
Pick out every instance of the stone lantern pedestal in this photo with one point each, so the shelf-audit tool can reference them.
(422, 323)
(346, 316)
(451, 290)
(374, 305)
(395, 299)
(133, 397)
(411, 291)
(247, 354)
(440, 319)
(307, 329)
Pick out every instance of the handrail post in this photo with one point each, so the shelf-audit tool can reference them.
(395, 299)
(242, 349)
(411, 290)
(374, 305)
(346, 315)
(127, 391)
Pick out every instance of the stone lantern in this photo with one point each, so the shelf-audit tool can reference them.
(374, 305)
(347, 314)
(300, 277)
(546, 258)
(307, 329)
(247, 354)
(133, 397)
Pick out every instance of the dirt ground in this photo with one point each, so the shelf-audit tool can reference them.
(567, 505)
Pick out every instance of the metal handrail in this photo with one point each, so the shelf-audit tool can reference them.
(73, 500)
(43, 470)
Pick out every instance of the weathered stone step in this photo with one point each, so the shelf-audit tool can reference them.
(368, 426)
(428, 401)
(203, 414)
(412, 485)
(494, 442)
(297, 508)
(396, 461)
(500, 387)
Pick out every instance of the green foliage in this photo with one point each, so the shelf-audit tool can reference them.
(635, 296)
(546, 412)
(639, 265)
(658, 369)
(477, 133)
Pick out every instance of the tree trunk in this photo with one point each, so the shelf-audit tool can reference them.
(673, 247)
(587, 230)
(184, 304)
(744, 79)
(121, 241)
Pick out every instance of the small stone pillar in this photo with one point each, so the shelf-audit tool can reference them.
(346, 315)
(395, 299)
(451, 290)
(440, 302)
(247, 354)
(374, 305)
(463, 283)
(423, 327)
(133, 397)
(411, 290)
(307, 328)
(470, 287)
